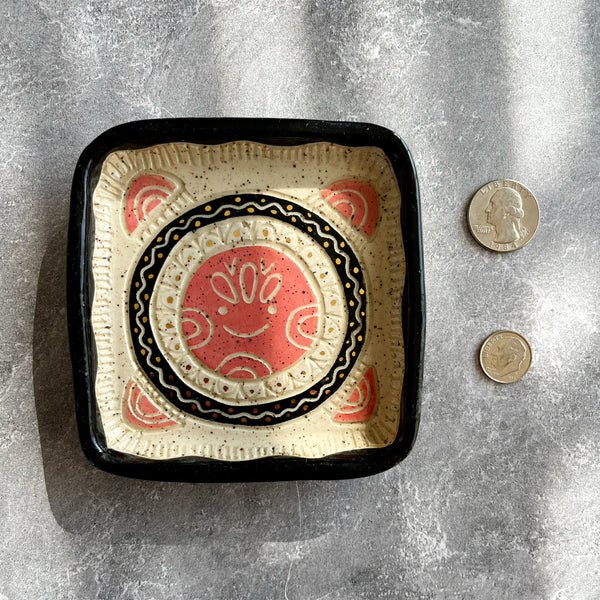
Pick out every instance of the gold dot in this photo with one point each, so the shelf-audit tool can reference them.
(288, 240)
(146, 296)
(151, 276)
(227, 213)
(159, 255)
(352, 324)
(359, 338)
(175, 237)
(322, 353)
(145, 259)
(330, 329)
(250, 210)
(136, 306)
(322, 275)
(355, 269)
(333, 302)
(309, 229)
(293, 219)
(361, 291)
(289, 207)
(149, 340)
(362, 313)
(309, 214)
(197, 224)
(176, 346)
(236, 232)
(326, 227)
(143, 351)
(342, 244)
(265, 232)
(341, 359)
(351, 303)
(170, 325)
(136, 330)
(209, 243)
(137, 284)
(309, 254)
(347, 285)
(338, 261)
(262, 200)
(159, 239)
(170, 299)
(326, 244)
(353, 353)
(238, 199)
(190, 257)
(144, 319)
(341, 375)
(181, 220)
(273, 211)
(178, 277)
(208, 208)
(158, 359)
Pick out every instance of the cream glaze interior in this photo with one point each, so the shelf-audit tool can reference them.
(206, 173)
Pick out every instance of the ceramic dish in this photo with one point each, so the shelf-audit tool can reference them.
(246, 299)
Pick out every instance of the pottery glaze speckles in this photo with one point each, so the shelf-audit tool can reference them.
(248, 300)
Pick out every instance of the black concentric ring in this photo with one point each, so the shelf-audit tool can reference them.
(143, 285)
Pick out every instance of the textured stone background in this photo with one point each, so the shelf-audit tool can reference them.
(500, 497)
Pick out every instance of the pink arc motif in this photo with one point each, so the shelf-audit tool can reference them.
(141, 411)
(249, 312)
(145, 193)
(356, 200)
(361, 403)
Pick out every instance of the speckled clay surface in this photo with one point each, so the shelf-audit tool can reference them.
(500, 497)
(247, 300)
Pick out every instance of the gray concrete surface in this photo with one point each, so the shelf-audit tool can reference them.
(500, 497)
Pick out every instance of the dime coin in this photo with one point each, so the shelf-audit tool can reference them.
(505, 356)
(503, 215)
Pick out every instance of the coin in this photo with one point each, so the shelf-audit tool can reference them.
(503, 215)
(505, 356)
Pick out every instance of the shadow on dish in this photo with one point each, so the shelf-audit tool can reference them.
(86, 500)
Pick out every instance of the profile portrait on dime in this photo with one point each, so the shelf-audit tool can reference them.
(503, 215)
(505, 356)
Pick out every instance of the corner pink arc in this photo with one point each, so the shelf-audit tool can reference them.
(360, 405)
(145, 193)
(142, 412)
(356, 200)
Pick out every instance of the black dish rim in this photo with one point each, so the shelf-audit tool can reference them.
(283, 132)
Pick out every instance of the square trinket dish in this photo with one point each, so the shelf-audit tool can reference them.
(246, 299)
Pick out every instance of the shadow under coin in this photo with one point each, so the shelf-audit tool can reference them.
(87, 501)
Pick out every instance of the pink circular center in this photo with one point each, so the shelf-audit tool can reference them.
(249, 312)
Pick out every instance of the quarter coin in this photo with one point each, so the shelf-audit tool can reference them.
(503, 215)
(505, 356)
